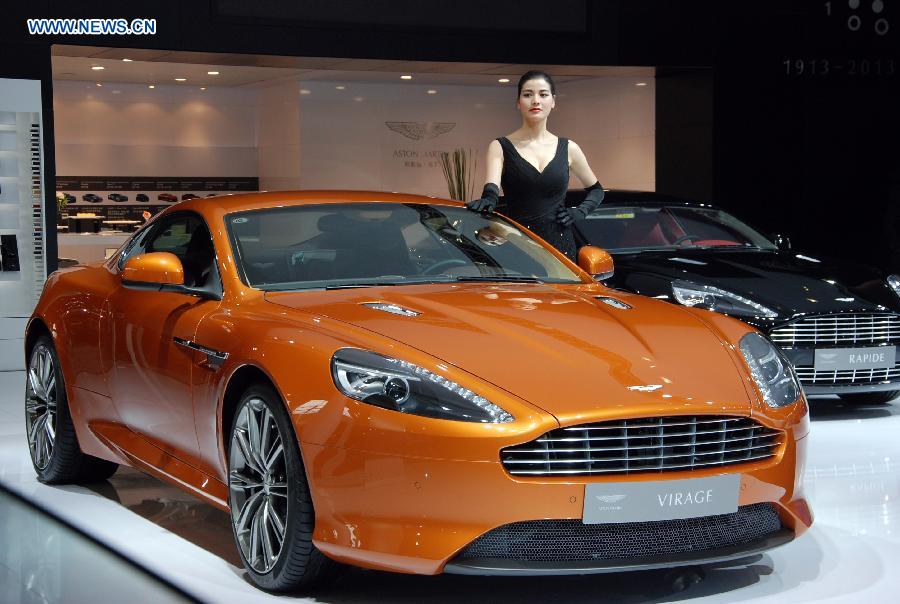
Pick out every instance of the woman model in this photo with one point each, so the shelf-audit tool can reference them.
(532, 165)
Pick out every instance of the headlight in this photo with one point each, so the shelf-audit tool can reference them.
(772, 373)
(719, 300)
(401, 386)
(894, 282)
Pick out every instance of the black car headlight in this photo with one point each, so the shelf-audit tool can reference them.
(719, 300)
(402, 386)
(771, 371)
(894, 282)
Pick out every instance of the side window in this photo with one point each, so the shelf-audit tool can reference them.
(187, 237)
(137, 246)
(173, 237)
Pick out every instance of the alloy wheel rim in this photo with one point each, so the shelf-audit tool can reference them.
(41, 407)
(257, 481)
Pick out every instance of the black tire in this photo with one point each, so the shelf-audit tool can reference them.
(872, 398)
(52, 442)
(298, 564)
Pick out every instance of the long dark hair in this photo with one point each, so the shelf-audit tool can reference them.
(536, 74)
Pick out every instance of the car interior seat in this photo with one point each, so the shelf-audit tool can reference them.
(198, 258)
(644, 230)
(365, 248)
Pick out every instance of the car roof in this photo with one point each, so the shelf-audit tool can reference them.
(274, 199)
(629, 197)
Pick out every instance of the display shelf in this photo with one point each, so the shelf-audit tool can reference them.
(22, 252)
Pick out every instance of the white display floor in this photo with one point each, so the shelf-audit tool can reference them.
(852, 553)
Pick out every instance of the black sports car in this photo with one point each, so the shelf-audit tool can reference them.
(91, 198)
(838, 323)
(117, 197)
(142, 197)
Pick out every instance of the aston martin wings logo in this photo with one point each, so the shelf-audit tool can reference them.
(418, 130)
(611, 498)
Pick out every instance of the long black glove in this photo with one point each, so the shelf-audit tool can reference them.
(567, 216)
(490, 197)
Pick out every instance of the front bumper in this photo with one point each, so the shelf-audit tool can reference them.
(506, 567)
(417, 515)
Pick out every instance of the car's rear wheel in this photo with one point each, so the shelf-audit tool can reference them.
(272, 515)
(873, 398)
(52, 442)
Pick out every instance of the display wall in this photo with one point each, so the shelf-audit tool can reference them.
(129, 129)
(347, 140)
(310, 134)
(22, 228)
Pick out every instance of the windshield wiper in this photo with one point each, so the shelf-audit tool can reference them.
(515, 278)
(361, 284)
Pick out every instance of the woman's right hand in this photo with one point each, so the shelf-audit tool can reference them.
(489, 199)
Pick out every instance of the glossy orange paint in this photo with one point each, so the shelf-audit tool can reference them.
(396, 491)
(596, 261)
(156, 267)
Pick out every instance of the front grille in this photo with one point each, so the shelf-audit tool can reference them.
(654, 444)
(858, 329)
(810, 377)
(574, 541)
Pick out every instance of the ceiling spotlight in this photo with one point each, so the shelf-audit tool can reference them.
(431, 91)
(340, 87)
(406, 77)
(503, 80)
(99, 84)
(212, 73)
(304, 91)
(180, 79)
(203, 88)
(357, 98)
(151, 86)
(127, 60)
(641, 84)
(98, 67)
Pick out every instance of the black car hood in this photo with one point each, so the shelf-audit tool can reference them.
(787, 282)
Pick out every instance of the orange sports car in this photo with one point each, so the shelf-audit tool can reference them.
(395, 382)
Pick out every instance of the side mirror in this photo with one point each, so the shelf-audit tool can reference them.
(782, 242)
(155, 268)
(596, 261)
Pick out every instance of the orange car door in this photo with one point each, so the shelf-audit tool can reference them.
(151, 376)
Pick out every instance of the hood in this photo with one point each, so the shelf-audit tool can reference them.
(556, 347)
(789, 283)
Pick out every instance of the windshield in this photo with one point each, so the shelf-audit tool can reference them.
(637, 228)
(360, 244)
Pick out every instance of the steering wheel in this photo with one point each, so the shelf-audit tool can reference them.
(684, 238)
(441, 264)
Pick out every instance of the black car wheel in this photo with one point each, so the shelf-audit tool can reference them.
(52, 441)
(272, 516)
(873, 398)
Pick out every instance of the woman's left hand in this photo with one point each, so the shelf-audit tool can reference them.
(567, 216)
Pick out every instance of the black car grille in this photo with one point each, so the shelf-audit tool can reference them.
(655, 444)
(573, 541)
(856, 329)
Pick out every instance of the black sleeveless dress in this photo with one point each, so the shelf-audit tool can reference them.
(532, 198)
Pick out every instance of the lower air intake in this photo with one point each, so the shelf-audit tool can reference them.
(573, 541)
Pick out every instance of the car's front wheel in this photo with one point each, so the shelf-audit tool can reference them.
(55, 453)
(873, 398)
(272, 514)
